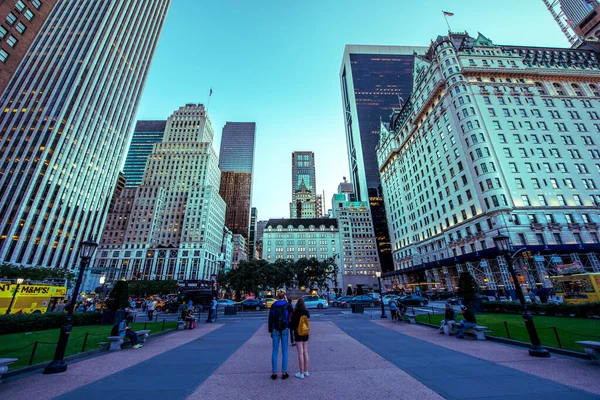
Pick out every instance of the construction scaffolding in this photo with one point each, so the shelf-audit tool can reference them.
(562, 21)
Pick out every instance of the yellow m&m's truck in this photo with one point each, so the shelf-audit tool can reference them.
(31, 297)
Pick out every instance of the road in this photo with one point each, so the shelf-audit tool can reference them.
(331, 313)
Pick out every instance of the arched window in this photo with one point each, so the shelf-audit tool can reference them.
(541, 89)
(559, 89)
(577, 89)
(595, 90)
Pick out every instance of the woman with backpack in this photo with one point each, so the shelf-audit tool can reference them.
(300, 325)
(279, 323)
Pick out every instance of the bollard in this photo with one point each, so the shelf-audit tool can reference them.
(84, 342)
(163, 326)
(557, 338)
(506, 327)
(33, 352)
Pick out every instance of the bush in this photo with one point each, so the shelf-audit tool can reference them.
(584, 310)
(16, 323)
(467, 287)
(119, 296)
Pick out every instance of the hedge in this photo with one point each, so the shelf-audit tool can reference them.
(584, 310)
(16, 323)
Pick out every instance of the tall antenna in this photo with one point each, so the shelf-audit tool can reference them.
(562, 21)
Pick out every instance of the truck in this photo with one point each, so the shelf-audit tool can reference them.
(31, 297)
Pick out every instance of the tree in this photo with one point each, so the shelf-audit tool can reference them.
(35, 274)
(143, 288)
(467, 287)
(119, 296)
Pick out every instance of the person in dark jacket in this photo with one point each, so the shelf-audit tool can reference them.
(448, 319)
(291, 315)
(301, 341)
(468, 322)
(279, 323)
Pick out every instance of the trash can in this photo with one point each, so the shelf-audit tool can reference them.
(230, 310)
(358, 308)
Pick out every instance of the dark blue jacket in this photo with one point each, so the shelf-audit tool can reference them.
(278, 304)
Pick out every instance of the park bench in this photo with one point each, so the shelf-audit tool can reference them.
(479, 332)
(4, 363)
(449, 329)
(592, 349)
(180, 325)
(411, 318)
(143, 335)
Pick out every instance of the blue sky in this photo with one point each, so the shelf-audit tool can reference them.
(277, 63)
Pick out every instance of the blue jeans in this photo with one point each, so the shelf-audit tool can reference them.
(280, 337)
(464, 326)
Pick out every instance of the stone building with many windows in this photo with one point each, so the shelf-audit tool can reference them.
(494, 139)
(172, 225)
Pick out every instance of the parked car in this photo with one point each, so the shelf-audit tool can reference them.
(414, 300)
(253, 304)
(315, 302)
(441, 296)
(458, 300)
(341, 301)
(172, 306)
(390, 297)
(225, 302)
(364, 299)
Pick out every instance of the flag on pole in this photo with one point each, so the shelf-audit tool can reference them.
(210, 94)
(448, 14)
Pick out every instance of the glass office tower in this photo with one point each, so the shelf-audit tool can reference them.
(67, 117)
(374, 81)
(145, 134)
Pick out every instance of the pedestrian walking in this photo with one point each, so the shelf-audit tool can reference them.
(212, 310)
(468, 322)
(278, 328)
(291, 314)
(300, 325)
(393, 309)
(150, 306)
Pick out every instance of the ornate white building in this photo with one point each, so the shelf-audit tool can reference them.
(494, 139)
(170, 227)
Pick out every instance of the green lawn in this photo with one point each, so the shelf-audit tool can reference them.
(20, 345)
(570, 330)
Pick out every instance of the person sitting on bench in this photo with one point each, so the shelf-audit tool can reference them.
(448, 319)
(468, 322)
(126, 331)
(401, 311)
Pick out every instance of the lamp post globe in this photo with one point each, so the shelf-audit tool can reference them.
(58, 364)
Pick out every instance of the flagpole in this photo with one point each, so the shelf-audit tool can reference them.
(208, 102)
(447, 23)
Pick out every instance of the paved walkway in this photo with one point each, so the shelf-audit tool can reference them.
(353, 358)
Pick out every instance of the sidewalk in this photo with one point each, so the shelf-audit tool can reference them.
(576, 373)
(350, 358)
(81, 373)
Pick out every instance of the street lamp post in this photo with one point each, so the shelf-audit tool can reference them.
(86, 251)
(12, 301)
(378, 275)
(502, 243)
(213, 277)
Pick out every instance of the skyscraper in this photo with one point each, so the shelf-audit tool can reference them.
(374, 81)
(577, 10)
(175, 218)
(306, 203)
(21, 22)
(236, 161)
(66, 119)
(145, 134)
(252, 235)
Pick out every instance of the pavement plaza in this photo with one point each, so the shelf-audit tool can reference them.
(355, 357)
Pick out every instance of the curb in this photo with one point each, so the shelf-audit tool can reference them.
(518, 343)
(78, 356)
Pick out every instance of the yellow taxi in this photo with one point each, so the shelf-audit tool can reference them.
(269, 301)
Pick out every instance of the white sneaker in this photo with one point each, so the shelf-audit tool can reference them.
(299, 375)
(306, 373)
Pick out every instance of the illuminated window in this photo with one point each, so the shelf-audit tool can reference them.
(20, 27)
(11, 41)
(11, 18)
(3, 55)
(29, 14)
(20, 5)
